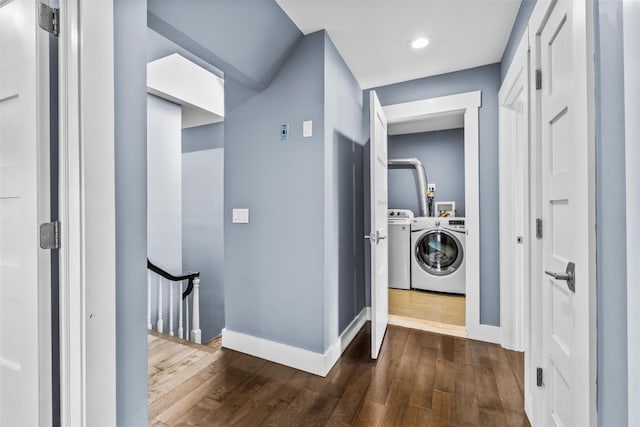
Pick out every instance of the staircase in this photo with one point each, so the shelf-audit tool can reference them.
(165, 284)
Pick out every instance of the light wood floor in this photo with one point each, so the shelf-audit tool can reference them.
(438, 308)
(420, 379)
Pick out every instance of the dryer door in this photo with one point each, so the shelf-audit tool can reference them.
(439, 252)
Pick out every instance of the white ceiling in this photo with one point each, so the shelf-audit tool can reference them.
(373, 36)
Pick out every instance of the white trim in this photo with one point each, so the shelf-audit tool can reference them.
(533, 395)
(468, 102)
(489, 333)
(295, 357)
(514, 257)
(631, 26)
(417, 110)
(87, 213)
(436, 327)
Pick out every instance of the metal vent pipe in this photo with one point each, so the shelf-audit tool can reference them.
(422, 179)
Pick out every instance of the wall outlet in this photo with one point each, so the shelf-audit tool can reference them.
(240, 216)
(307, 129)
(431, 187)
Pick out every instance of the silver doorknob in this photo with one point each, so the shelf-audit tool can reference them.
(375, 237)
(569, 276)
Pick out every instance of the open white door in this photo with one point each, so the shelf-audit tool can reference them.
(379, 223)
(25, 275)
(568, 211)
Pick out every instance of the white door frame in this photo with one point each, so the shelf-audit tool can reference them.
(469, 103)
(533, 396)
(87, 214)
(514, 281)
(631, 25)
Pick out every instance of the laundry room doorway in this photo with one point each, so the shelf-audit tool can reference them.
(433, 233)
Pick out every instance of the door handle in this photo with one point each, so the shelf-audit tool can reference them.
(569, 276)
(375, 237)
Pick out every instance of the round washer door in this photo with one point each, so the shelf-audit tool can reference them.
(439, 252)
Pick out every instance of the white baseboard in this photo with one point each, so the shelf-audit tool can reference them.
(489, 333)
(335, 351)
(295, 357)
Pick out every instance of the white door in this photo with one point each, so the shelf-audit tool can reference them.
(379, 226)
(25, 328)
(568, 212)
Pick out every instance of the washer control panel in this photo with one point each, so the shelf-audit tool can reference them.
(400, 214)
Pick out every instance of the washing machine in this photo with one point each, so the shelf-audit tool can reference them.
(400, 248)
(438, 261)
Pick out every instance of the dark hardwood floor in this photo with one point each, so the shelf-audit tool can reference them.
(420, 379)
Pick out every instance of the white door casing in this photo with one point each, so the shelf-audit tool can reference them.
(467, 103)
(514, 200)
(379, 225)
(631, 26)
(25, 270)
(565, 131)
(87, 212)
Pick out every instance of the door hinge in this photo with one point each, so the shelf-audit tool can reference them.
(539, 228)
(538, 79)
(49, 19)
(50, 235)
(539, 377)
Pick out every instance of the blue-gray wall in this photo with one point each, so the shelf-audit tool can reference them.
(205, 137)
(164, 184)
(344, 197)
(130, 33)
(274, 266)
(442, 153)
(203, 232)
(610, 215)
(487, 80)
(203, 219)
(519, 28)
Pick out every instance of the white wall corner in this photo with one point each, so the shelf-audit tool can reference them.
(337, 348)
(295, 357)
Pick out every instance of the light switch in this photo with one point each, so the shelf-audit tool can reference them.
(241, 216)
(307, 129)
(431, 187)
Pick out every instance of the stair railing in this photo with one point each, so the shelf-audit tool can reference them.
(193, 288)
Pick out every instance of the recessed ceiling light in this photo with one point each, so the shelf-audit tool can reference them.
(419, 43)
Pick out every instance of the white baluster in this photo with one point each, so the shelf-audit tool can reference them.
(160, 324)
(180, 330)
(171, 309)
(195, 332)
(149, 326)
(186, 304)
